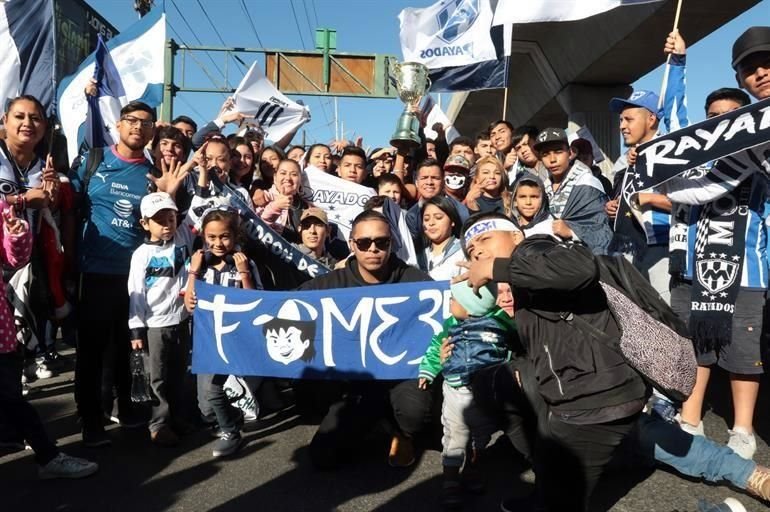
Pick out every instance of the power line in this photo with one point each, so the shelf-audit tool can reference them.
(189, 27)
(315, 14)
(195, 59)
(251, 22)
(221, 39)
(296, 21)
(307, 17)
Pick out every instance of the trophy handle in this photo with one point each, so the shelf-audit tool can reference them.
(428, 83)
(394, 68)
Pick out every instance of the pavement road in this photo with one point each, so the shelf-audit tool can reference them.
(272, 472)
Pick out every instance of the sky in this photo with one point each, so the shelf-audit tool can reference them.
(372, 27)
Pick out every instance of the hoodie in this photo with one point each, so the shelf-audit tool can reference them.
(541, 223)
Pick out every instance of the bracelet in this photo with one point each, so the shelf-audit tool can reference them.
(244, 272)
(194, 273)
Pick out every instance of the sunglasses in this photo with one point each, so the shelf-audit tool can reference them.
(364, 244)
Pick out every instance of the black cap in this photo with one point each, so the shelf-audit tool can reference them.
(550, 135)
(755, 39)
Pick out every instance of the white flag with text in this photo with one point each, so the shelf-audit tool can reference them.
(448, 33)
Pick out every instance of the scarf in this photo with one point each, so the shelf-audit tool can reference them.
(719, 253)
(557, 199)
(680, 226)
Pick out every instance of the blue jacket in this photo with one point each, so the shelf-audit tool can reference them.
(478, 342)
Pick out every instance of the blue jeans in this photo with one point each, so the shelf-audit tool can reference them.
(690, 455)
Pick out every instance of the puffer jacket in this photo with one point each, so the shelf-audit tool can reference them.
(477, 342)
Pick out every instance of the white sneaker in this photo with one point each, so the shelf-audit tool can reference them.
(36, 371)
(66, 466)
(742, 442)
(693, 430)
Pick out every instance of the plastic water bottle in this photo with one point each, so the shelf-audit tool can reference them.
(729, 505)
(140, 379)
(664, 408)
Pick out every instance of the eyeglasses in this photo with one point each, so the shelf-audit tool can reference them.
(133, 121)
(364, 244)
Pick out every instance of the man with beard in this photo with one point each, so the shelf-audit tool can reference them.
(111, 193)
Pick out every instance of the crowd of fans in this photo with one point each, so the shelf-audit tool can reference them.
(108, 252)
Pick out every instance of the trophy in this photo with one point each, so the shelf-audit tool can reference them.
(412, 83)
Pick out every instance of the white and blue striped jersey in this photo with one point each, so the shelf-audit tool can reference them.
(754, 274)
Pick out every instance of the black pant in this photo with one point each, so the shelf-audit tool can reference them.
(103, 345)
(568, 459)
(169, 349)
(17, 414)
(349, 419)
(496, 390)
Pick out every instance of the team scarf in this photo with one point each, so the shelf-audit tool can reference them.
(678, 240)
(719, 253)
(557, 199)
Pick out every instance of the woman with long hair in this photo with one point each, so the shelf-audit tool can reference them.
(441, 226)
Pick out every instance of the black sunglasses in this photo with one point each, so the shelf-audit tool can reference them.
(364, 244)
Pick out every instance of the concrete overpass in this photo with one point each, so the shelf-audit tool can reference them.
(565, 73)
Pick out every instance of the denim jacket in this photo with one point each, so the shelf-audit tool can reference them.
(477, 342)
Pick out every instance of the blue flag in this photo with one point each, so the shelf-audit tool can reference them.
(27, 65)
(104, 108)
(370, 332)
(138, 58)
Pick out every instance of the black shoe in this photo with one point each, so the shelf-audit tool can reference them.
(227, 444)
(95, 437)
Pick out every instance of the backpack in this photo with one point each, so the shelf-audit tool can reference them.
(654, 340)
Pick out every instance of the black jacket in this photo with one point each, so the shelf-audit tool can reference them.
(349, 276)
(574, 372)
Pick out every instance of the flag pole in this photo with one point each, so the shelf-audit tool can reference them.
(664, 84)
(505, 102)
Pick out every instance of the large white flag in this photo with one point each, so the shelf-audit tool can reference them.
(341, 199)
(276, 114)
(448, 33)
(138, 57)
(535, 11)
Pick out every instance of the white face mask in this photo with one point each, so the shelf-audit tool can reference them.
(454, 181)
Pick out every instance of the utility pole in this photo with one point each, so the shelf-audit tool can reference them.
(142, 6)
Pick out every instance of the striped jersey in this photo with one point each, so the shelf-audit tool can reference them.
(754, 274)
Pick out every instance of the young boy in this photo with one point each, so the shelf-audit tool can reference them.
(480, 333)
(157, 317)
(530, 206)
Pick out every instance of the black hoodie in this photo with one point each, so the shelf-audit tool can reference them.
(349, 276)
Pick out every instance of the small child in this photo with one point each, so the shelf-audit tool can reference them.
(223, 264)
(157, 318)
(530, 206)
(479, 333)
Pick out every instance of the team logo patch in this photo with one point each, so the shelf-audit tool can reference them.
(716, 275)
(456, 17)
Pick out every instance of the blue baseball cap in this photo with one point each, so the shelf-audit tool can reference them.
(638, 99)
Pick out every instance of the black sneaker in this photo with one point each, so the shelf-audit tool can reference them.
(95, 437)
(525, 504)
(227, 444)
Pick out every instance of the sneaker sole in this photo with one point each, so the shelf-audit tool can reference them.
(80, 474)
(227, 453)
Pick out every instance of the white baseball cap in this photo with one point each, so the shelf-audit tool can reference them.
(155, 202)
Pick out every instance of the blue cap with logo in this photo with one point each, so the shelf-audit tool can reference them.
(638, 99)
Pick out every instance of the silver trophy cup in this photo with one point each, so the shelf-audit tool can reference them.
(412, 83)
